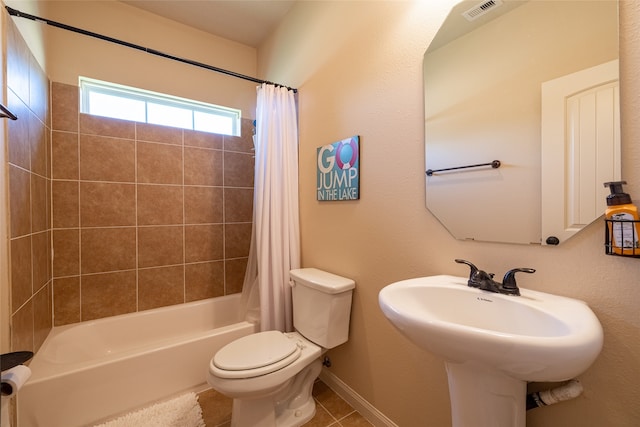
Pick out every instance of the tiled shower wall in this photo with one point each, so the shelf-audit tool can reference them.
(28, 175)
(144, 216)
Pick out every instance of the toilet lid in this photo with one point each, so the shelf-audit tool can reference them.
(257, 351)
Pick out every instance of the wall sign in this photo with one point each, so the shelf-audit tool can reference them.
(338, 175)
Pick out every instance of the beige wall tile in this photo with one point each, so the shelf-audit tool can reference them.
(203, 242)
(161, 286)
(202, 139)
(41, 254)
(21, 287)
(66, 297)
(202, 167)
(160, 204)
(64, 152)
(65, 106)
(108, 294)
(204, 280)
(160, 246)
(38, 145)
(18, 145)
(42, 322)
(107, 159)
(238, 169)
(48, 149)
(66, 252)
(238, 204)
(159, 163)
(104, 204)
(66, 207)
(19, 201)
(234, 270)
(50, 258)
(39, 206)
(105, 126)
(237, 239)
(107, 249)
(22, 328)
(203, 205)
(157, 133)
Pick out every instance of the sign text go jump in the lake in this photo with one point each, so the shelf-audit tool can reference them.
(338, 175)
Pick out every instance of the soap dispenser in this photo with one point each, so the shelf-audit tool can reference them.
(623, 221)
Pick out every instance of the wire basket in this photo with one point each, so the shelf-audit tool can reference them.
(625, 232)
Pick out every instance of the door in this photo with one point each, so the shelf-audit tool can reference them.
(580, 148)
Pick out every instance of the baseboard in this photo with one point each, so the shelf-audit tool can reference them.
(366, 409)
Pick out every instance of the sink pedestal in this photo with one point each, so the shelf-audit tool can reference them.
(485, 397)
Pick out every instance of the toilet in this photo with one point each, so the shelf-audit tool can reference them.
(270, 374)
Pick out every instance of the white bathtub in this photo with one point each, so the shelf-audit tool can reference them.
(91, 371)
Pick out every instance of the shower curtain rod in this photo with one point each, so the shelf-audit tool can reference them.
(14, 12)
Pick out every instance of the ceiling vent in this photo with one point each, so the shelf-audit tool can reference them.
(479, 10)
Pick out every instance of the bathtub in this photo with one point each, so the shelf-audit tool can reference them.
(91, 371)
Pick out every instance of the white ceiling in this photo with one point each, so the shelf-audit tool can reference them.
(245, 21)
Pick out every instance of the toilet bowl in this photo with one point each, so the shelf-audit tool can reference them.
(275, 356)
(266, 393)
(270, 374)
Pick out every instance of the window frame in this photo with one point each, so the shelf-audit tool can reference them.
(89, 86)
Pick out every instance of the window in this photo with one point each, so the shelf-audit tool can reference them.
(127, 103)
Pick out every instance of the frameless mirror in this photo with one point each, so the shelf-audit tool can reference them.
(533, 86)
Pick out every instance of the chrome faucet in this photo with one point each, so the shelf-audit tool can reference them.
(483, 280)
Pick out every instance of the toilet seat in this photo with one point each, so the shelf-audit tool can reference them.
(255, 355)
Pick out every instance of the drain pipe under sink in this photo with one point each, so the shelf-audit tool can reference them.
(568, 391)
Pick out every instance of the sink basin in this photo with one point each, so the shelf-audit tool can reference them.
(532, 337)
(493, 344)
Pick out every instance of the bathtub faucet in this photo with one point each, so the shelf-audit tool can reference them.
(483, 280)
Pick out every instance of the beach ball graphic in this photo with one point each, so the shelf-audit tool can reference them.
(347, 154)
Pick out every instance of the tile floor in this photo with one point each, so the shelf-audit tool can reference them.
(331, 409)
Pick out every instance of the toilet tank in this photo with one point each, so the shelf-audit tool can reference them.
(321, 306)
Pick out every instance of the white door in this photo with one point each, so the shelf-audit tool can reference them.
(580, 148)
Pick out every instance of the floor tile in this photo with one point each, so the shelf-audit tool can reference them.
(355, 420)
(331, 409)
(334, 404)
(216, 408)
(321, 419)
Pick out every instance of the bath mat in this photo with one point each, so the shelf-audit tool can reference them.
(183, 411)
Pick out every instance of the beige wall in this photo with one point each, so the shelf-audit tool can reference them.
(67, 55)
(364, 77)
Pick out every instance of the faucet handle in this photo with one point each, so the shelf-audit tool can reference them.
(476, 277)
(509, 281)
(464, 261)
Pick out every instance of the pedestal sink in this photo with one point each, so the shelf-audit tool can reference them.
(493, 344)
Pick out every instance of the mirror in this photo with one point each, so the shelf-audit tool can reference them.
(483, 88)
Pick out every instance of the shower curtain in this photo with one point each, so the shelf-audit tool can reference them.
(275, 240)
